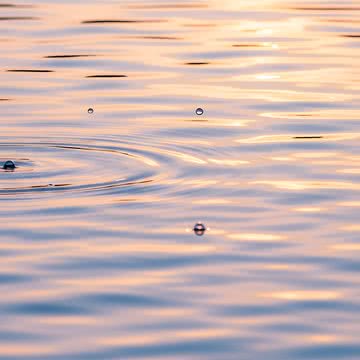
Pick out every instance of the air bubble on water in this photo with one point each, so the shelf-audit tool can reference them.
(199, 111)
(199, 229)
(9, 165)
(90, 110)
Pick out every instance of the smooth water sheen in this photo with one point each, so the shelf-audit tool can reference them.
(99, 257)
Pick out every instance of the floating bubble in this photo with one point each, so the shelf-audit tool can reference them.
(199, 111)
(90, 110)
(9, 165)
(199, 229)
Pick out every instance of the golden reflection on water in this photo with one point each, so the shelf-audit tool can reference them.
(293, 185)
(256, 237)
(304, 295)
(309, 209)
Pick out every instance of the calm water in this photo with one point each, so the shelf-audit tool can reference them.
(98, 257)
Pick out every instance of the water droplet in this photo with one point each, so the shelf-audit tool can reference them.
(9, 165)
(199, 229)
(90, 110)
(199, 111)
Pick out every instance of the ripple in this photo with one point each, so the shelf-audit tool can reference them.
(287, 138)
(66, 56)
(97, 236)
(30, 70)
(11, 18)
(44, 308)
(247, 45)
(106, 76)
(307, 137)
(123, 299)
(51, 166)
(160, 37)
(120, 21)
(14, 6)
(99, 165)
(327, 351)
(197, 63)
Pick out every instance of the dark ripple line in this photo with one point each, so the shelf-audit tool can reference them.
(6, 18)
(15, 6)
(351, 36)
(105, 76)
(332, 8)
(73, 147)
(86, 187)
(160, 37)
(197, 63)
(89, 149)
(117, 185)
(30, 70)
(247, 45)
(27, 188)
(308, 137)
(120, 21)
(65, 56)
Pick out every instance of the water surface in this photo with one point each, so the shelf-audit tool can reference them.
(98, 257)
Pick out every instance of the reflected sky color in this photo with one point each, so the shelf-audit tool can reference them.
(98, 255)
